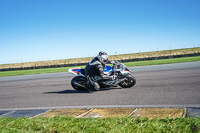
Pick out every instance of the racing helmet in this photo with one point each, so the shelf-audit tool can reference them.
(103, 57)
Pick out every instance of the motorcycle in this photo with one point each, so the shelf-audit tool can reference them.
(118, 71)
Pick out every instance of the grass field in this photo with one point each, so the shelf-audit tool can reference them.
(129, 64)
(35, 71)
(163, 61)
(98, 125)
(130, 56)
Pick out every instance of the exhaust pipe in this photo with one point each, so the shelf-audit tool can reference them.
(80, 85)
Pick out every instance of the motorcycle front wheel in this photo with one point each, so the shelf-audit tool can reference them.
(78, 83)
(130, 82)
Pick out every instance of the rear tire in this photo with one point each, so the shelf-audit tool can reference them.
(80, 80)
(130, 82)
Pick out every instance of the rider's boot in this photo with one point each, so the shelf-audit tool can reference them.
(92, 84)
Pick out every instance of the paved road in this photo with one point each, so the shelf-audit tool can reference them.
(160, 85)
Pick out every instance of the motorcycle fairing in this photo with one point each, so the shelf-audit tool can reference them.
(124, 72)
(76, 71)
(107, 69)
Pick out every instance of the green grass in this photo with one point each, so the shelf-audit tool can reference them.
(36, 71)
(129, 64)
(129, 56)
(163, 61)
(98, 125)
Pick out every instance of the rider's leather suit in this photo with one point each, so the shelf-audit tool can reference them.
(93, 71)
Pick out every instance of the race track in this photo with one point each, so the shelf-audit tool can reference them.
(159, 85)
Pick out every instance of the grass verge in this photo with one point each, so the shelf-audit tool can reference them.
(163, 61)
(117, 125)
(130, 56)
(129, 64)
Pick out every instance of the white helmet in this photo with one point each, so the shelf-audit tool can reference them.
(103, 57)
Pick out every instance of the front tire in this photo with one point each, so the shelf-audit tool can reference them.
(130, 82)
(79, 80)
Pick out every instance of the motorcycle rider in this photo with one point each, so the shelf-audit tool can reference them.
(94, 71)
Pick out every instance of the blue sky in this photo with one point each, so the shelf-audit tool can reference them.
(37, 30)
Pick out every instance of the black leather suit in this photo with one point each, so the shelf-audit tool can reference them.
(95, 71)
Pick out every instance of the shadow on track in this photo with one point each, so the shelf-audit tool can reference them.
(66, 92)
(75, 91)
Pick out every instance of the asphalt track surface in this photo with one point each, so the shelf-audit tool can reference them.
(171, 85)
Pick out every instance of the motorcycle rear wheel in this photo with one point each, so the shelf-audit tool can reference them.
(79, 80)
(130, 82)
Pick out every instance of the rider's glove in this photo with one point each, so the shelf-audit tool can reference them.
(112, 62)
